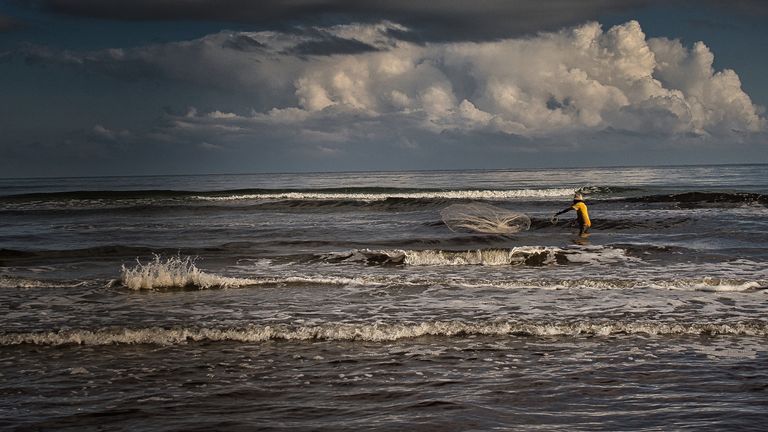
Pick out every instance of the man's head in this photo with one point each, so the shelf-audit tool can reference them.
(578, 196)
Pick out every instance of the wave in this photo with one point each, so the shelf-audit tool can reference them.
(329, 199)
(350, 193)
(692, 199)
(523, 255)
(476, 194)
(182, 273)
(706, 283)
(620, 224)
(175, 272)
(608, 190)
(341, 199)
(391, 247)
(178, 273)
(237, 247)
(16, 256)
(90, 252)
(20, 282)
(382, 332)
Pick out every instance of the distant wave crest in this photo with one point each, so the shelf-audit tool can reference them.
(382, 332)
(380, 196)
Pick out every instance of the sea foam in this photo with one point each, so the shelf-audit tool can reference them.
(522, 255)
(181, 272)
(480, 194)
(18, 282)
(377, 332)
(175, 272)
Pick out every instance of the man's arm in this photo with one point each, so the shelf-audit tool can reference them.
(553, 219)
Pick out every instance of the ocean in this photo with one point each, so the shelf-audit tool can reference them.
(343, 302)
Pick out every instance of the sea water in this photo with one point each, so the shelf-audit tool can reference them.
(343, 302)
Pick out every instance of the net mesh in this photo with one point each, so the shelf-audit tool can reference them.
(484, 218)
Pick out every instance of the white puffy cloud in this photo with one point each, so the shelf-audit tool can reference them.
(104, 133)
(348, 81)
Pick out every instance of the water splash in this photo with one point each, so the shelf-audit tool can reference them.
(174, 272)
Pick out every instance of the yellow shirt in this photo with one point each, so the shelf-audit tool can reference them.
(582, 213)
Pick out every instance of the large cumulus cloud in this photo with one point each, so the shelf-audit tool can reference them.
(359, 82)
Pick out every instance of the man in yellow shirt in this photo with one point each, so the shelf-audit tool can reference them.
(582, 215)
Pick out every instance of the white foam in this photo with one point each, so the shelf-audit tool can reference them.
(679, 284)
(175, 272)
(450, 194)
(711, 284)
(380, 332)
(17, 282)
(598, 254)
(371, 281)
(178, 272)
(486, 257)
(544, 255)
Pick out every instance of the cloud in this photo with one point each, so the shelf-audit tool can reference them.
(100, 133)
(436, 20)
(575, 79)
(338, 86)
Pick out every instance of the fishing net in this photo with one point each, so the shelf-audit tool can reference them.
(484, 218)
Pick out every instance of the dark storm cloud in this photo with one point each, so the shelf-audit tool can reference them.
(244, 42)
(753, 7)
(330, 45)
(320, 43)
(432, 20)
(8, 23)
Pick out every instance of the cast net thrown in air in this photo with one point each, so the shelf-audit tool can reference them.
(484, 218)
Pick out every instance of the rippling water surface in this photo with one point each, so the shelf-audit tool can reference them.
(343, 302)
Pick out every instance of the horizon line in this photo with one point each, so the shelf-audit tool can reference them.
(679, 165)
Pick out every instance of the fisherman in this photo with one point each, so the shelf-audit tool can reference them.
(582, 215)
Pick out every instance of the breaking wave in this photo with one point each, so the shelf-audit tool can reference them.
(181, 273)
(382, 332)
(523, 255)
(19, 282)
(384, 195)
(706, 283)
(178, 272)
(175, 272)
(328, 199)
(352, 193)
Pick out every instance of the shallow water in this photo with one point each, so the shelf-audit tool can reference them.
(342, 301)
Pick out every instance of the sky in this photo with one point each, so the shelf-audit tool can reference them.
(148, 87)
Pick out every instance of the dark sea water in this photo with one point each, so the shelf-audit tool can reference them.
(343, 302)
